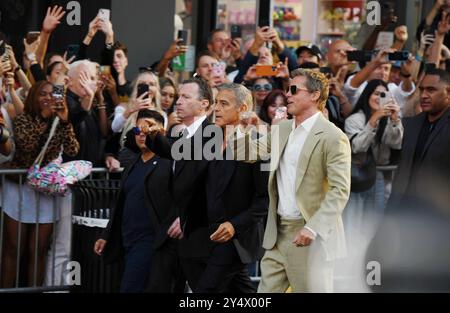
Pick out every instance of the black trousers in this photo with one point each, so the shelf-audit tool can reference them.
(166, 275)
(224, 272)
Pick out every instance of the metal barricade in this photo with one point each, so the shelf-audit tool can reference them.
(92, 203)
(19, 271)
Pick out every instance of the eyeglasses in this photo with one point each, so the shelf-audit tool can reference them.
(265, 87)
(294, 89)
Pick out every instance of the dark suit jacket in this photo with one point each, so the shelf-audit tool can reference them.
(188, 187)
(432, 179)
(157, 200)
(237, 192)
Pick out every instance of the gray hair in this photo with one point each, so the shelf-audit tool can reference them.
(74, 68)
(242, 94)
(315, 81)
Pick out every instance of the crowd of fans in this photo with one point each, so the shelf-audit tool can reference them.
(101, 108)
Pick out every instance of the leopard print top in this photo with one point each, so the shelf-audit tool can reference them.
(30, 135)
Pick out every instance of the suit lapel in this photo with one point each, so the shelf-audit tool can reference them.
(179, 165)
(311, 141)
(280, 142)
(440, 125)
(226, 171)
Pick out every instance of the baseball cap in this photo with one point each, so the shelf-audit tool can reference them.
(311, 48)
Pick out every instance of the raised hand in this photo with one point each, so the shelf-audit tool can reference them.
(283, 69)
(5, 66)
(53, 18)
(426, 40)
(59, 107)
(87, 84)
(12, 57)
(175, 50)
(94, 26)
(31, 48)
(65, 62)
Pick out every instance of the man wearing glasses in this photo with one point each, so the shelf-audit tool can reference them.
(309, 186)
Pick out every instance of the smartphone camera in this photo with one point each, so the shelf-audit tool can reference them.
(183, 35)
(236, 31)
(141, 89)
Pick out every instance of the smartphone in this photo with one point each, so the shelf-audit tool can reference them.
(104, 14)
(58, 91)
(219, 69)
(326, 71)
(281, 113)
(266, 70)
(359, 56)
(236, 31)
(264, 22)
(398, 56)
(32, 37)
(183, 35)
(105, 69)
(429, 67)
(72, 50)
(141, 89)
(385, 98)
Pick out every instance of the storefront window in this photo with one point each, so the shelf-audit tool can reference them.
(287, 20)
(339, 19)
(237, 12)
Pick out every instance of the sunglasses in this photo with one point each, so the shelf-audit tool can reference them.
(294, 89)
(265, 87)
(136, 130)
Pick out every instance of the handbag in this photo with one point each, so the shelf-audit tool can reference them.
(55, 177)
(364, 171)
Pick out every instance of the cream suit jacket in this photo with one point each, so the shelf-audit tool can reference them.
(322, 182)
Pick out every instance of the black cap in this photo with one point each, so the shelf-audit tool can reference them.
(311, 48)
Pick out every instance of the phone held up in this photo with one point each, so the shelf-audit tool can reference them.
(266, 70)
(236, 31)
(385, 98)
(183, 35)
(104, 14)
(141, 89)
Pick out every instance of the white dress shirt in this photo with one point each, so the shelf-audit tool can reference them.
(194, 126)
(287, 169)
(191, 129)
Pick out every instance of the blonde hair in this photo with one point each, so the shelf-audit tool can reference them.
(156, 100)
(315, 81)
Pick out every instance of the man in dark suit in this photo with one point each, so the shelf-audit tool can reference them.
(137, 226)
(191, 227)
(412, 242)
(237, 200)
(424, 169)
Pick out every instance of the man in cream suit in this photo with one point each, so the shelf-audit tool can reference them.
(309, 186)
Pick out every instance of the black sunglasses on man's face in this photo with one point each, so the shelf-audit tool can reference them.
(294, 89)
